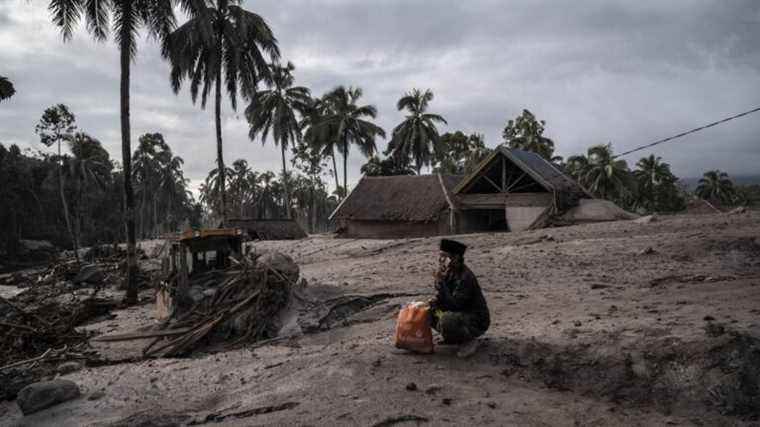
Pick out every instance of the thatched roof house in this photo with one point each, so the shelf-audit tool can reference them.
(268, 229)
(396, 206)
(510, 190)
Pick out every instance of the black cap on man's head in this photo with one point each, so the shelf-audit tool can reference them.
(452, 247)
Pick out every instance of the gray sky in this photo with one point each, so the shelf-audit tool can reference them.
(597, 71)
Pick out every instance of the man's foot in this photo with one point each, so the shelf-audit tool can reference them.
(468, 349)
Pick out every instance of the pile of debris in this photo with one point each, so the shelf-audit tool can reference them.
(222, 309)
(243, 308)
(37, 333)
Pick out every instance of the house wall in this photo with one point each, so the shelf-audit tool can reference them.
(481, 220)
(393, 229)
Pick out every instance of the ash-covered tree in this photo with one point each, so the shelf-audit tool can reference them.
(657, 189)
(223, 43)
(416, 137)
(125, 18)
(57, 125)
(716, 186)
(603, 174)
(525, 132)
(89, 167)
(276, 109)
(342, 122)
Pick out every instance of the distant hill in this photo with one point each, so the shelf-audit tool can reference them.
(691, 183)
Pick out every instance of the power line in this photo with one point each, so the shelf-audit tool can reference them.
(727, 119)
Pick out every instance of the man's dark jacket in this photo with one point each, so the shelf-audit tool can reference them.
(460, 292)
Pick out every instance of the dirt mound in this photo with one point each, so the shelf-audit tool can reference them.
(596, 210)
(720, 374)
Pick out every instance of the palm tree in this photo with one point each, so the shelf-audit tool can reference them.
(416, 137)
(215, 188)
(344, 124)
(604, 175)
(716, 185)
(576, 166)
(89, 164)
(652, 176)
(527, 133)
(6, 88)
(275, 109)
(243, 181)
(57, 124)
(127, 17)
(321, 142)
(233, 50)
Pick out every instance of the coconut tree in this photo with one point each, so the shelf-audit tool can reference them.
(125, 18)
(6, 88)
(346, 123)
(275, 108)
(89, 165)
(604, 175)
(716, 185)
(322, 142)
(56, 125)
(417, 136)
(234, 51)
(653, 179)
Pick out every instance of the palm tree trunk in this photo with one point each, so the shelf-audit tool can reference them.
(66, 216)
(345, 167)
(143, 203)
(335, 172)
(285, 183)
(219, 155)
(126, 155)
(78, 229)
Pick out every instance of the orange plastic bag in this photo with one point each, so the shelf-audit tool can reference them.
(413, 328)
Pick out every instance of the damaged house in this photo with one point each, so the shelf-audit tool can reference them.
(510, 190)
(267, 229)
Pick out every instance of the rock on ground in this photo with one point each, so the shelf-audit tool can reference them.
(42, 395)
(89, 273)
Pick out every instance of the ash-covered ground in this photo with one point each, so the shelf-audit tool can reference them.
(623, 323)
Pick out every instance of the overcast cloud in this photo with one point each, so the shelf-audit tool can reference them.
(596, 71)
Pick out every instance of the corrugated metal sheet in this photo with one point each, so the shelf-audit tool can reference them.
(545, 169)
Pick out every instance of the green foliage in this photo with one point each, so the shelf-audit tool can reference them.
(6, 88)
(604, 175)
(525, 132)
(747, 195)
(336, 121)
(459, 154)
(57, 124)
(276, 108)
(716, 186)
(262, 194)
(220, 42)
(164, 201)
(656, 186)
(416, 137)
(376, 166)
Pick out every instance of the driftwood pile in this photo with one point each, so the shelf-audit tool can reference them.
(37, 333)
(243, 308)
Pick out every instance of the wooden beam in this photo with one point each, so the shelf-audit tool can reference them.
(503, 174)
(492, 183)
(515, 183)
(141, 335)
